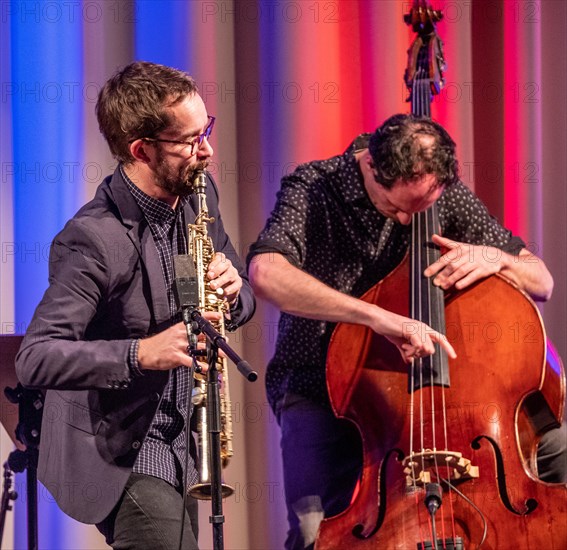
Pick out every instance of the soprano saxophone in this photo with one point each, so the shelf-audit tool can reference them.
(200, 247)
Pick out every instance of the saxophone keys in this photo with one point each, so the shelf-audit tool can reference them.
(213, 298)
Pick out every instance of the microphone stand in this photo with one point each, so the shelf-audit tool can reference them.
(196, 323)
(30, 406)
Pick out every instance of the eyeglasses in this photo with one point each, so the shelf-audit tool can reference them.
(196, 141)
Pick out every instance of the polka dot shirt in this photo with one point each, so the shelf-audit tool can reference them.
(324, 223)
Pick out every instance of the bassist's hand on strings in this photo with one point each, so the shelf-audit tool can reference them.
(463, 264)
(413, 339)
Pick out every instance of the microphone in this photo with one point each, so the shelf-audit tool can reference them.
(186, 291)
(432, 502)
(185, 285)
(433, 497)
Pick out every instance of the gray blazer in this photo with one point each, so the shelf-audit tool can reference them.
(105, 287)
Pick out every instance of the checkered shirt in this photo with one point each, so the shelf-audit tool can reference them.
(162, 453)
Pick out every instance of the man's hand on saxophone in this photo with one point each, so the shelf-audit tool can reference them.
(164, 351)
(168, 349)
(224, 275)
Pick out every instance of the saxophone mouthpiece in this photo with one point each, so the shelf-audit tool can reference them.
(200, 181)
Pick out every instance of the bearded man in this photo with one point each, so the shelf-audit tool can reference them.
(107, 341)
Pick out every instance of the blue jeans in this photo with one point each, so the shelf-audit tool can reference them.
(148, 517)
(322, 460)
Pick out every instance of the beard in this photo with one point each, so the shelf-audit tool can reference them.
(178, 181)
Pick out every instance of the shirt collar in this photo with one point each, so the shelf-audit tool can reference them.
(354, 193)
(154, 210)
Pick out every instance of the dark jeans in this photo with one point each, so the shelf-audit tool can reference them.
(148, 517)
(322, 459)
(552, 456)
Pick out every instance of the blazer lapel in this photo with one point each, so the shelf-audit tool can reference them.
(140, 234)
(154, 273)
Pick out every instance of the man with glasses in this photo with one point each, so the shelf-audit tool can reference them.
(107, 340)
(338, 227)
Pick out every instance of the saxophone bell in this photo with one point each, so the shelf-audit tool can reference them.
(202, 490)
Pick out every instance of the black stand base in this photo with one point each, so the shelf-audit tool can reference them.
(30, 404)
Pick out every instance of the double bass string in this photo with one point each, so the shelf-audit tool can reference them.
(416, 313)
(437, 307)
(427, 305)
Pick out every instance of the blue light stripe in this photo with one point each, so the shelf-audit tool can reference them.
(162, 30)
(46, 53)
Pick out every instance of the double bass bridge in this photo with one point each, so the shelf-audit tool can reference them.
(419, 465)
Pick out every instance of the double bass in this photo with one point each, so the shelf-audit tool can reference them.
(449, 446)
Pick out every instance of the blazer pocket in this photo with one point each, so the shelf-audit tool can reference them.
(82, 418)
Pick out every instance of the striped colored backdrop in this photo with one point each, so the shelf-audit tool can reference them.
(289, 81)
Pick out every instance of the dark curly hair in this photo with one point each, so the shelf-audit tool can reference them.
(398, 152)
(133, 104)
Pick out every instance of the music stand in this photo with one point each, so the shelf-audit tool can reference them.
(20, 414)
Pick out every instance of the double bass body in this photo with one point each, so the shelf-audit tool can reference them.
(492, 500)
